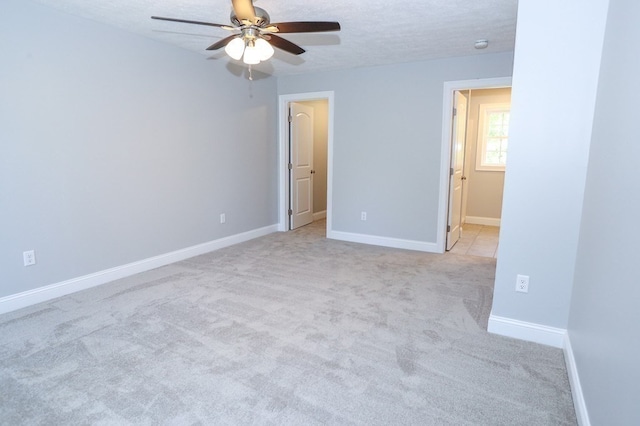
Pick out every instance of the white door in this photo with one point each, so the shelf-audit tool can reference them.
(456, 177)
(300, 165)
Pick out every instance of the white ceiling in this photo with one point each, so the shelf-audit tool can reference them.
(374, 32)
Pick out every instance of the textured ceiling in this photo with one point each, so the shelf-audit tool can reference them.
(374, 32)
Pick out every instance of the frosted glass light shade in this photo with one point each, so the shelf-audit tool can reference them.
(264, 48)
(235, 48)
(251, 55)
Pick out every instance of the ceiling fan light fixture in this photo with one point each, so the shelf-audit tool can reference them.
(235, 48)
(251, 54)
(255, 40)
(265, 49)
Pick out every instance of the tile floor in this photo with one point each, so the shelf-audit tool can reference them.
(478, 240)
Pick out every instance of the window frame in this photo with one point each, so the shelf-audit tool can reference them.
(481, 145)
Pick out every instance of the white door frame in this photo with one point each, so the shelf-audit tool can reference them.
(283, 154)
(445, 158)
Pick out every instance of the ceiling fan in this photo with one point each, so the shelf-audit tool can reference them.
(255, 35)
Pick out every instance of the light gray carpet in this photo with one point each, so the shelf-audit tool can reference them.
(286, 329)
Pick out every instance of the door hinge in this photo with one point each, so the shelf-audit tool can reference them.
(448, 228)
(455, 112)
(290, 118)
(290, 212)
(451, 171)
(290, 166)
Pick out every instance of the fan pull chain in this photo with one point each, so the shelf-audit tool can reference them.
(250, 82)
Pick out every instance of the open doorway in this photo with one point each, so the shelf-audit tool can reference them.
(305, 171)
(479, 146)
(485, 155)
(473, 163)
(307, 162)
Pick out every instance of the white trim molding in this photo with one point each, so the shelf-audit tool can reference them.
(579, 403)
(551, 336)
(384, 241)
(477, 220)
(543, 334)
(43, 294)
(320, 215)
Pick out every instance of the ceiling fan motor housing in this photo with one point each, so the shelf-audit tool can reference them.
(261, 19)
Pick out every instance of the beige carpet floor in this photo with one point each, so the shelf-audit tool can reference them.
(291, 329)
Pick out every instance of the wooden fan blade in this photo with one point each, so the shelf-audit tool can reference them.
(305, 27)
(221, 43)
(192, 22)
(244, 10)
(285, 45)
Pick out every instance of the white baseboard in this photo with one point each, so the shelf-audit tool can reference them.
(551, 336)
(52, 291)
(579, 403)
(320, 215)
(477, 220)
(384, 241)
(529, 331)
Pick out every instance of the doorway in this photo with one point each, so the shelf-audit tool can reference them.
(307, 162)
(488, 123)
(457, 167)
(317, 191)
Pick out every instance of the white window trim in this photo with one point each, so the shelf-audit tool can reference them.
(481, 144)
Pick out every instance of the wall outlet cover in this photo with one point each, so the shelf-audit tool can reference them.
(522, 283)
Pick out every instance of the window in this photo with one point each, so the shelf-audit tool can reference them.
(493, 137)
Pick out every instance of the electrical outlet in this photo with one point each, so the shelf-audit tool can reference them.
(363, 216)
(223, 218)
(29, 257)
(522, 283)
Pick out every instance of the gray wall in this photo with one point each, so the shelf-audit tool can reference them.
(555, 77)
(115, 148)
(387, 140)
(605, 313)
(483, 188)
